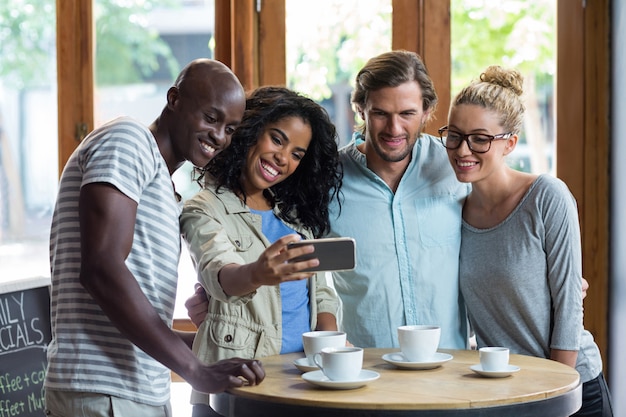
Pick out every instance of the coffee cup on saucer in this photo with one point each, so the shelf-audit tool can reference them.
(340, 363)
(419, 343)
(315, 341)
(494, 358)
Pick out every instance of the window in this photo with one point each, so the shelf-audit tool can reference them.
(513, 34)
(328, 41)
(422, 26)
(28, 137)
(137, 65)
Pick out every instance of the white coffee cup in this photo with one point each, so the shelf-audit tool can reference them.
(419, 343)
(494, 358)
(314, 342)
(340, 363)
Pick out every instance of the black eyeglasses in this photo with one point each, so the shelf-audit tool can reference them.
(478, 143)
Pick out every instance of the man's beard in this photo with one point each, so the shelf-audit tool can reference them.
(397, 157)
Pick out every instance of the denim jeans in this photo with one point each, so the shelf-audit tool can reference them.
(204, 410)
(596, 399)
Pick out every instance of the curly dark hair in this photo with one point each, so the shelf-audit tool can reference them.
(303, 197)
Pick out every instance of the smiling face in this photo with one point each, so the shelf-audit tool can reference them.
(208, 120)
(393, 119)
(471, 166)
(206, 107)
(276, 154)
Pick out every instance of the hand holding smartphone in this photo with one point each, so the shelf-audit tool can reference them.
(334, 254)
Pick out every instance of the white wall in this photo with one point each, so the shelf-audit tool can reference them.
(617, 342)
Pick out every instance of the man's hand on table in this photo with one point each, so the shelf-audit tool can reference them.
(227, 373)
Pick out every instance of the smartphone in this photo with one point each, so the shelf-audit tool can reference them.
(334, 254)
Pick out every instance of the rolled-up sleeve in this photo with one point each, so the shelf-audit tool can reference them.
(210, 249)
(326, 299)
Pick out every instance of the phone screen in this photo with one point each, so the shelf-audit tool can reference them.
(334, 254)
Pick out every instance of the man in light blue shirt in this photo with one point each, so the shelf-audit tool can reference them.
(402, 203)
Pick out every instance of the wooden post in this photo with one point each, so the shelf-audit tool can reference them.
(223, 32)
(75, 69)
(244, 52)
(429, 36)
(583, 143)
(272, 43)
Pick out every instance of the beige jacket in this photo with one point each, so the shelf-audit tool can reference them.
(219, 230)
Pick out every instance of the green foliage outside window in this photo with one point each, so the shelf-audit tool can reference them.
(126, 52)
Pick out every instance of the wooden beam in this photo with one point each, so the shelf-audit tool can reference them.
(596, 160)
(272, 43)
(244, 52)
(570, 82)
(424, 27)
(403, 34)
(75, 69)
(583, 143)
(223, 32)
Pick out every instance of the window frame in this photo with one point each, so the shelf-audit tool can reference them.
(252, 42)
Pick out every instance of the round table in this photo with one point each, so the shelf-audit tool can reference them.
(542, 387)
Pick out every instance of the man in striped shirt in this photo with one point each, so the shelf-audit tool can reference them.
(114, 251)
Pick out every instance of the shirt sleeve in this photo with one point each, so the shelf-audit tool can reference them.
(564, 264)
(210, 248)
(120, 155)
(326, 298)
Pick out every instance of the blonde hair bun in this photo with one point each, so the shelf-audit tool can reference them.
(504, 77)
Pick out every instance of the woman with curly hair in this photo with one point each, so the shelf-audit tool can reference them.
(271, 187)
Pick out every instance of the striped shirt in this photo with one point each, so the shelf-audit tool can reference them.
(87, 352)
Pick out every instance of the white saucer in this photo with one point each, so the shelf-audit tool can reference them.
(303, 365)
(494, 374)
(318, 378)
(400, 361)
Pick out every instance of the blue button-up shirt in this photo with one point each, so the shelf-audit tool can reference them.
(407, 248)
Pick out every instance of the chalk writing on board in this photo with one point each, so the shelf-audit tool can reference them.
(21, 393)
(17, 331)
(24, 336)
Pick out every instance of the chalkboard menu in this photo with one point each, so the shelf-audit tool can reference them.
(24, 335)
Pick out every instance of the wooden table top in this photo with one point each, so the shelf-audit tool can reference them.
(452, 387)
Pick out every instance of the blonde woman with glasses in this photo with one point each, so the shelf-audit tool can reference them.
(520, 261)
